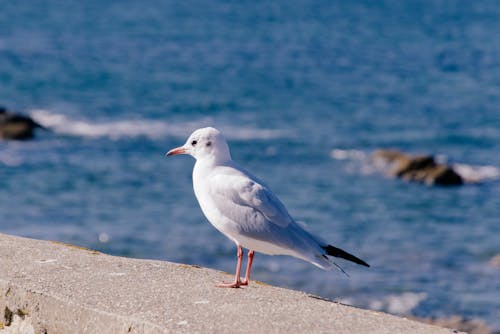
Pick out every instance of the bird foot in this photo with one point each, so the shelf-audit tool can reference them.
(229, 285)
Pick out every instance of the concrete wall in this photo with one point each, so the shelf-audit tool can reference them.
(49, 287)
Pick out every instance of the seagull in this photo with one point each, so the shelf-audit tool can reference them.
(246, 211)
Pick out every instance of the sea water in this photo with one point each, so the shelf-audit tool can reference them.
(304, 92)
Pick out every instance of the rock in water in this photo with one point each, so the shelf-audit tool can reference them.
(422, 169)
(443, 175)
(16, 126)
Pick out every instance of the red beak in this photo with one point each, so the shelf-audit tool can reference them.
(177, 150)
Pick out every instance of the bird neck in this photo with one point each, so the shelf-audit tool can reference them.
(202, 170)
(210, 162)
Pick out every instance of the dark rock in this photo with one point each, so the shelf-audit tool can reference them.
(422, 169)
(444, 175)
(16, 126)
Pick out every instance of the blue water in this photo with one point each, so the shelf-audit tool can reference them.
(120, 83)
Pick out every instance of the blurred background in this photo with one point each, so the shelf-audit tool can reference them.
(304, 91)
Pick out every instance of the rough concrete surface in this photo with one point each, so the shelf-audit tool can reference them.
(49, 287)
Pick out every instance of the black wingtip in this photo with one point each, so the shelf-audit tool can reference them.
(337, 252)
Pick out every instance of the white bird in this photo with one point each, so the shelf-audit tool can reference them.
(246, 211)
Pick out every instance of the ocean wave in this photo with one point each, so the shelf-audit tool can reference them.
(476, 174)
(398, 304)
(401, 304)
(358, 161)
(154, 129)
(341, 154)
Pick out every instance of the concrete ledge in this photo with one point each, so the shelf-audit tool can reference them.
(49, 287)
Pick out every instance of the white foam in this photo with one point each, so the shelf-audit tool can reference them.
(477, 173)
(113, 129)
(399, 304)
(357, 161)
(153, 129)
(339, 154)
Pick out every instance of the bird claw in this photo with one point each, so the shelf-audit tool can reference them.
(230, 285)
(235, 284)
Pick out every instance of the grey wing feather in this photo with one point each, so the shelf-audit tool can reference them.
(259, 214)
(253, 198)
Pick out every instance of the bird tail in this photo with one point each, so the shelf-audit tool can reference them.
(337, 252)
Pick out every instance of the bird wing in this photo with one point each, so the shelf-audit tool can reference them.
(257, 214)
(243, 193)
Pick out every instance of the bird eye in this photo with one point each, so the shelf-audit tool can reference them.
(194, 142)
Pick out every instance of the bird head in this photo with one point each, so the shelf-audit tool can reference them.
(206, 143)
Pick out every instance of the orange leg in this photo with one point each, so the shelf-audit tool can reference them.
(249, 268)
(237, 279)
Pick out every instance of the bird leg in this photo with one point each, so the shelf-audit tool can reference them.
(249, 268)
(237, 279)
